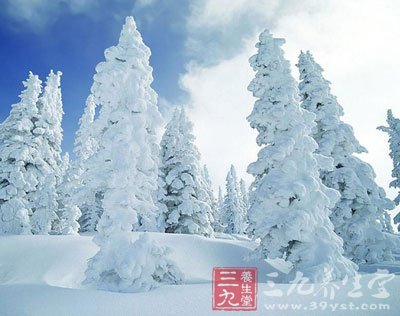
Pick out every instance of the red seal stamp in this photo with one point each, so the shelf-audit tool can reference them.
(234, 289)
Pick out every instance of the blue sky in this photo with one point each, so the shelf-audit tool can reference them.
(200, 51)
(74, 43)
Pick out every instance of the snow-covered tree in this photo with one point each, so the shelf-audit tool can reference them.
(290, 207)
(185, 200)
(69, 212)
(244, 196)
(125, 164)
(357, 216)
(217, 224)
(211, 201)
(48, 130)
(85, 144)
(232, 212)
(220, 202)
(208, 188)
(142, 266)
(86, 198)
(393, 130)
(20, 160)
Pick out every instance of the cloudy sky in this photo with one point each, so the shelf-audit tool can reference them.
(200, 51)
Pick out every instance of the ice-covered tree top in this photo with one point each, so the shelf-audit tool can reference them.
(50, 107)
(84, 142)
(27, 107)
(126, 65)
(276, 91)
(334, 137)
(30, 95)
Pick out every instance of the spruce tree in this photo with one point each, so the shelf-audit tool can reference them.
(87, 199)
(185, 199)
(244, 195)
(357, 215)
(211, 201)
(125, 164)
(48, 130)
(393, 130)
(20, 160)
(244, 199)
(290, 206)
(232, 213)
(69, 212)
(217, 224)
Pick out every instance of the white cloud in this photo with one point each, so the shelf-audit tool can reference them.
(355, 41)
(40, 13)
(225, 25)
(220, 104)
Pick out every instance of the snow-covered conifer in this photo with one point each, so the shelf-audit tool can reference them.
(232, 212)
(69, 212)
(125, 165)
(85, 144)
(185, 198)
(86, 198)
(48, 130)
(20, 160)
(290, 207)
(244, 196)
(393, 130)
(357, 216)
(142, 266)
(211, 201)
(217, 224)
(220, 202)
(208, 188)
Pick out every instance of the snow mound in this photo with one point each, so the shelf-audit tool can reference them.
(61, 260)
(42, 275)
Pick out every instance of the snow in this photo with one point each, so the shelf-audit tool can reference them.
(233, 216)
(360, 216)
(184, 199)
(42, 275)
(393, 130)
(289, 204)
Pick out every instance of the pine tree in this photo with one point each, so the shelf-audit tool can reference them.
(69, 213)
(211, 201)
(393, 130)
(232, 213)
(290, 207)
(85, 144)
(217, 224)
(208, 188)
(20, 160)
(48, 129)
(125, 165)
(357, 215)
(244, 195)
(244, 199)
(220, 202)
(87, 199)
(185, 200)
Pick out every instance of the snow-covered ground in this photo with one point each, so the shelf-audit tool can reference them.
(42, 275)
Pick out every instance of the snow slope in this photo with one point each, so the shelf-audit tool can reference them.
(41, 276)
